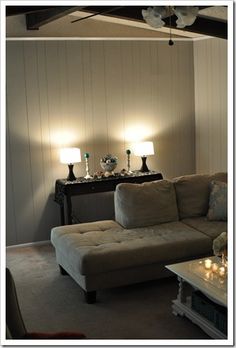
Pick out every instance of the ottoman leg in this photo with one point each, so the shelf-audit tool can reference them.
(90, 296)
(62, 270)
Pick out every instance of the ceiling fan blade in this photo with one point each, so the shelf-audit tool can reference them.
(97, 13)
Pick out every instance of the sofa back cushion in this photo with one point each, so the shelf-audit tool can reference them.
(147, 204)
(217, 201)
(192, 193)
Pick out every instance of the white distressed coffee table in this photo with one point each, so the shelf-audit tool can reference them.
(192, 275)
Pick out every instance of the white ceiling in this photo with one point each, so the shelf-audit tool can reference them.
(214, 12)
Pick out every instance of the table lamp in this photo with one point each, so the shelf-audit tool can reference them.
(144, 149)
(70, 155)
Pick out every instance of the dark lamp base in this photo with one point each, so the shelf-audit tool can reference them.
(144, 167)
(71, 176)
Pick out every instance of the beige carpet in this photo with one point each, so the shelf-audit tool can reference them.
(52, 302)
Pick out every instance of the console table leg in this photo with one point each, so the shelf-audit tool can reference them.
(62, 214)
(69, 209)
(90, 296)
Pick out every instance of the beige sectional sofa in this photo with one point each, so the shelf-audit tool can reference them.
(157, 223)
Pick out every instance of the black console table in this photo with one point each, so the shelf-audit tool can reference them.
(67, 189)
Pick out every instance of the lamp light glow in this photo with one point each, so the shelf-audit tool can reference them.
(70, 155)
(144, 149)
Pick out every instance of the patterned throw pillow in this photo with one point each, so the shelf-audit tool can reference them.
(218, 201)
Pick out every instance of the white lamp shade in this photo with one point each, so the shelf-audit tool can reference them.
(70, 155)
(143, 149)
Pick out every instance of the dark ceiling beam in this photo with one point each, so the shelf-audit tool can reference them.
(125, 12)
(19, 10)
(36, 19)
(205, 26)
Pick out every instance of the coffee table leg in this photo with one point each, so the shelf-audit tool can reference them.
(181, 297)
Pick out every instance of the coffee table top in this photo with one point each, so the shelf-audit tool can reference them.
(211, 284)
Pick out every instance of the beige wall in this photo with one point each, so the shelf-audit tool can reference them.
(210, 74)
(99, 96)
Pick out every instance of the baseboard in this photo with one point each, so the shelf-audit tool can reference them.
(44, 242)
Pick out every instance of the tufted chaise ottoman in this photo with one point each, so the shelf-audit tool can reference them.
(86, 250)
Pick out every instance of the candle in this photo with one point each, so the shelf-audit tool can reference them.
(214, 267)
(221, 280)
(222, 271)
(208, 263)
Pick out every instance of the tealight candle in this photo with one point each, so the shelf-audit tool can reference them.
(221, 280)
(208, 263)
(214, 267)
(222, 271)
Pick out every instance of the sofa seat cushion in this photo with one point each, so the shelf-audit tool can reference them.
(111, 248)
(150, 203)
(210, 228)
(192, 193)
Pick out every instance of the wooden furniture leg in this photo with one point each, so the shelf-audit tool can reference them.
(63, 271)
(90, 296)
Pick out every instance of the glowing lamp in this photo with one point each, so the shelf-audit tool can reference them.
(144, 149)
(70, 155)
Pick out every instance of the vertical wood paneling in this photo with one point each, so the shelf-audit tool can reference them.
(166, 137)
(185, 107)
(90, 144)
(34, 133)
(129, 84)
(21, 180)
(11, 236)
(114, 100)
(210, 64)
(157, 106)
(100, 124)
(74, 77)
(44, 118)
(49, 215)
(99, 96)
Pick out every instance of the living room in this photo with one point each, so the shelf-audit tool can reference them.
(101, 90)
